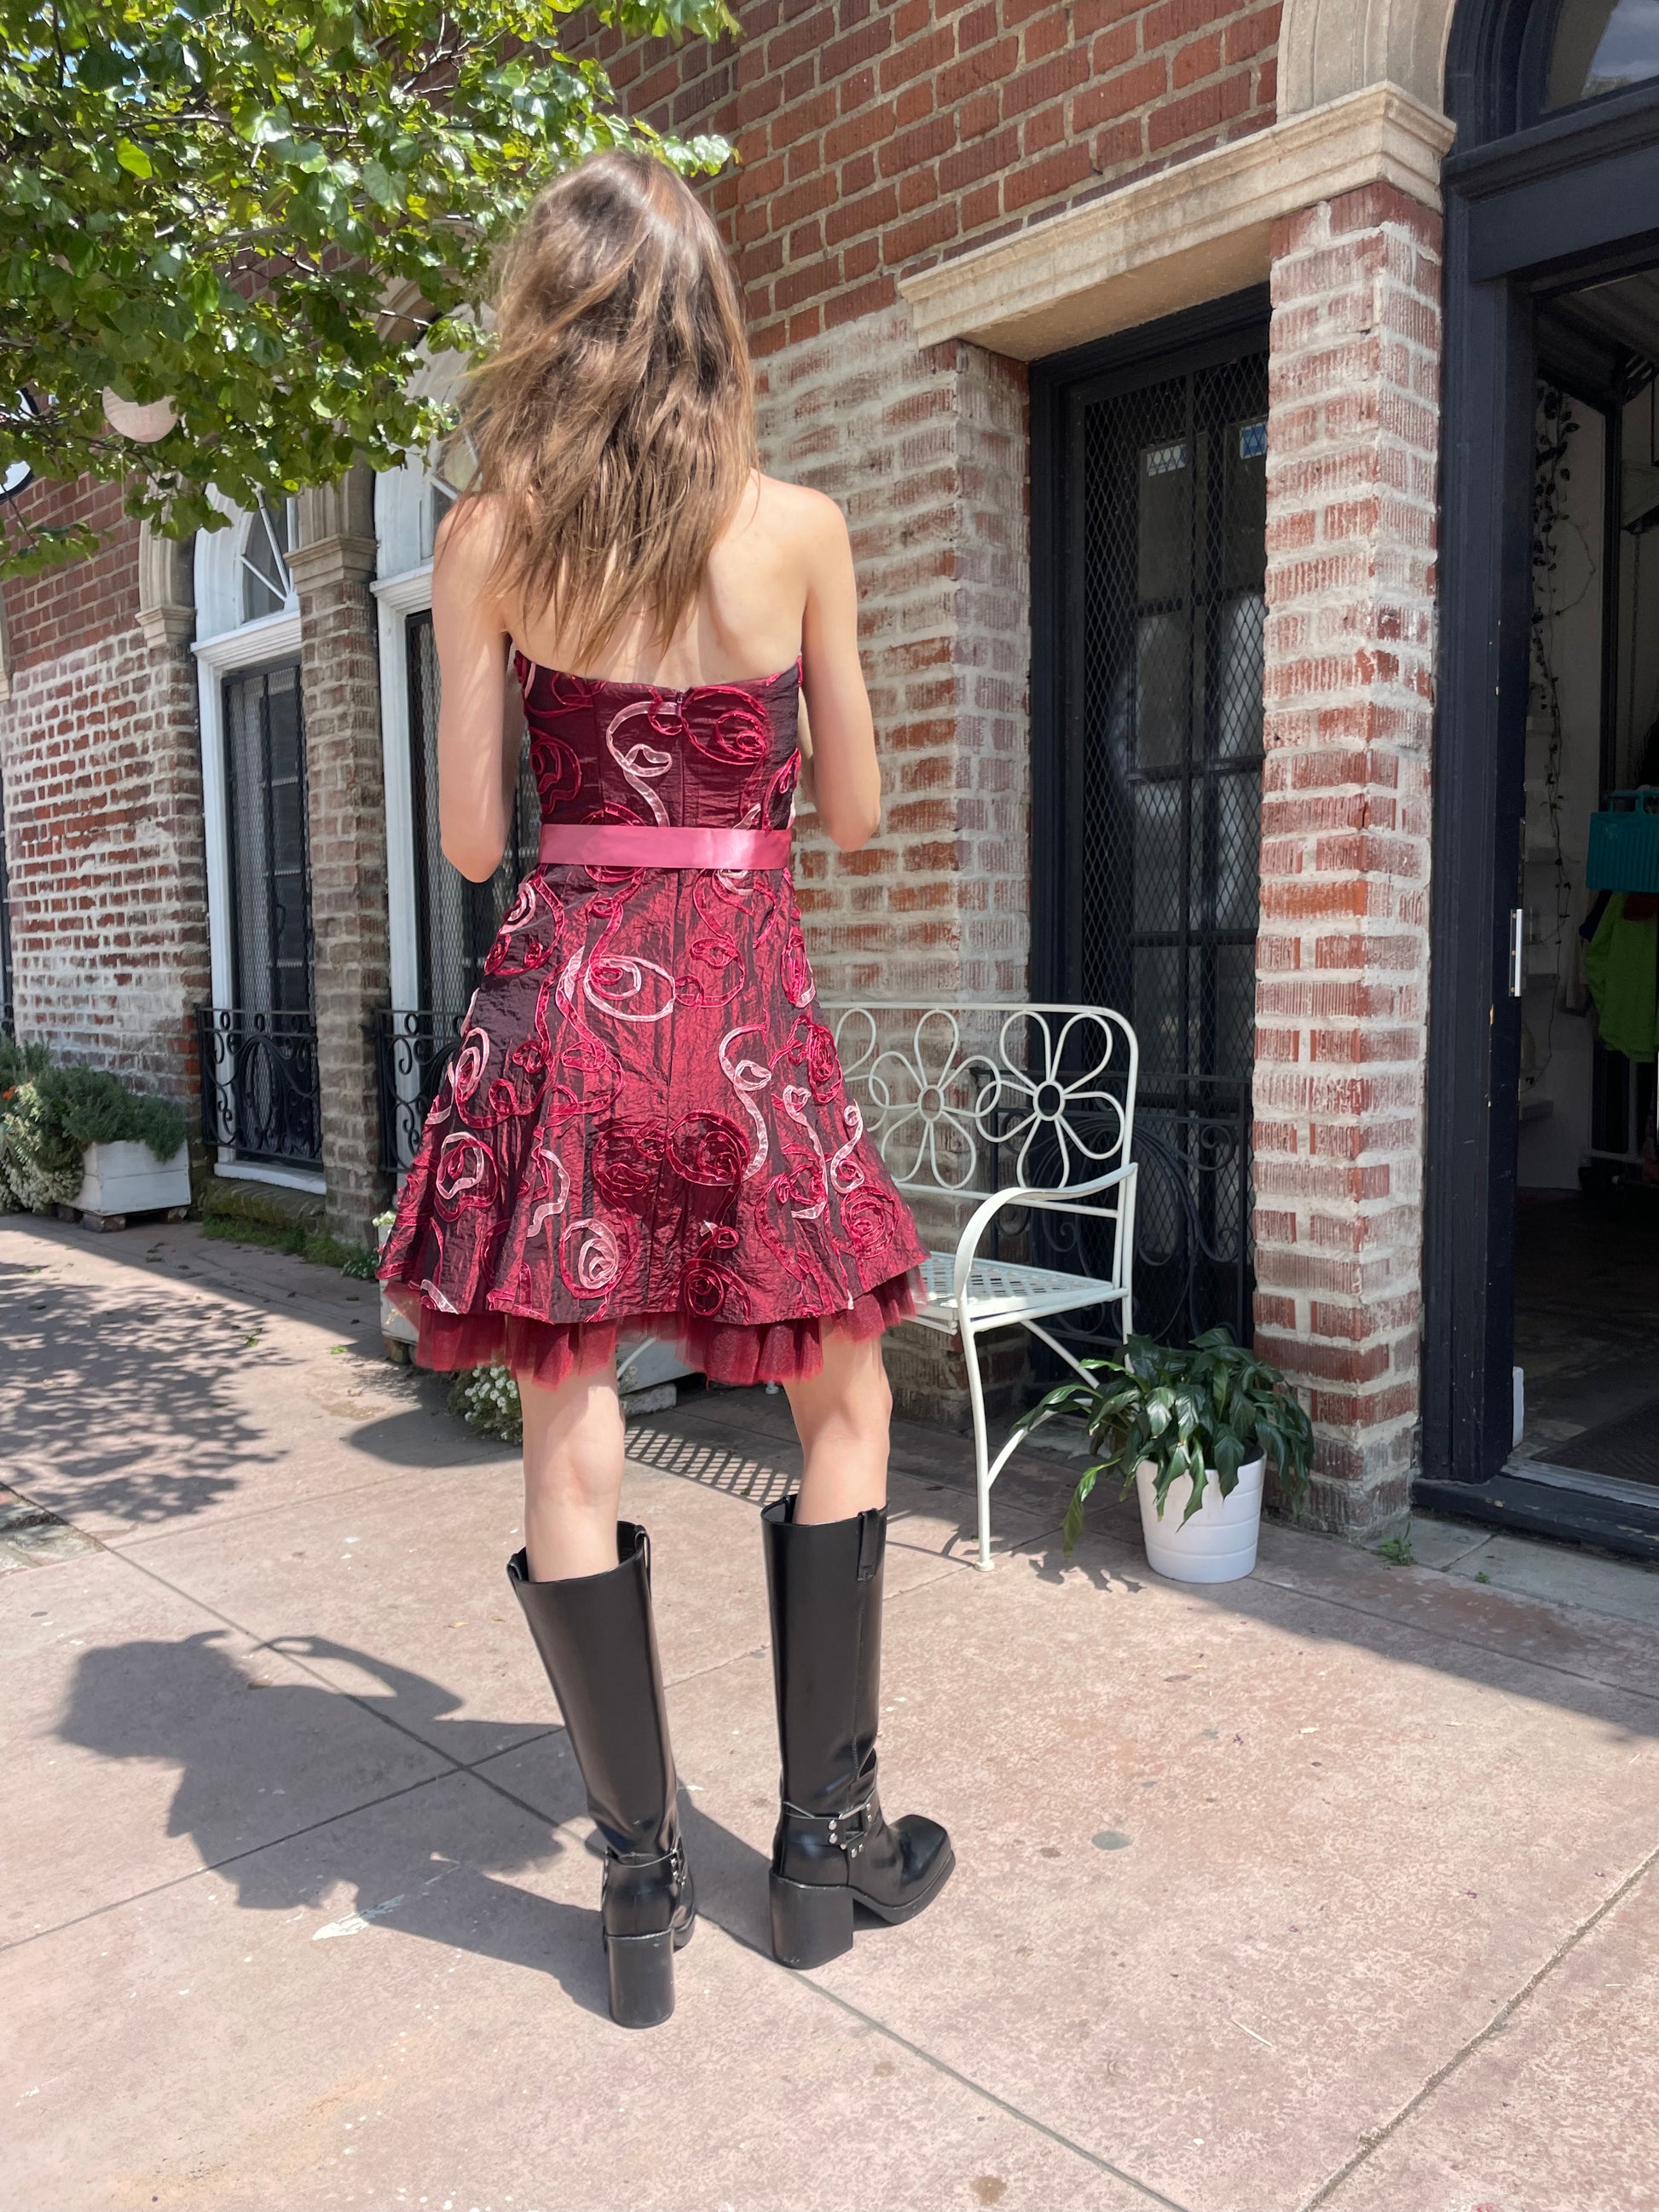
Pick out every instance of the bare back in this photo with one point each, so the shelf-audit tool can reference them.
(749, 614)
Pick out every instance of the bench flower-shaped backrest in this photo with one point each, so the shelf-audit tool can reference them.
(965, 1101)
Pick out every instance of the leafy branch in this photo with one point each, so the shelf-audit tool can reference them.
(231, 209)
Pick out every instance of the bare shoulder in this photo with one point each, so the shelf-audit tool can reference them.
(796, 514)
(468, 540)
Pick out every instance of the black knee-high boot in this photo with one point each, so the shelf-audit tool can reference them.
(834, 1850)
(597, 1642)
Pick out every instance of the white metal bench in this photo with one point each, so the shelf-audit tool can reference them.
(983, 1108)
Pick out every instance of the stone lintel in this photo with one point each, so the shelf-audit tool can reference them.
(1194, 231)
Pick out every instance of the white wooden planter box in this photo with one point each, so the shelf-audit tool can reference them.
(130, 1179)
(395, 1328)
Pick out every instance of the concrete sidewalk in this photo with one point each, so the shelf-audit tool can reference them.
(1335, 1887)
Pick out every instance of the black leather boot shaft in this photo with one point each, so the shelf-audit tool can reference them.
(824, 1585)
(598, 1644)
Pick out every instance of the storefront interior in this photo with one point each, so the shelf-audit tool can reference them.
(1586, 1197)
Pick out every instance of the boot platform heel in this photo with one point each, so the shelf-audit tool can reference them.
(641, 1969)
(811, 1922)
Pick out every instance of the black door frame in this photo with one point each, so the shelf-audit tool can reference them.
(1561, 200)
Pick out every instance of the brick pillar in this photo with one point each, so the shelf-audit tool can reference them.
(926, 452)
(1342, 959)
(341, 684)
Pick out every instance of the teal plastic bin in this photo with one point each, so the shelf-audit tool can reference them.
(1623, 842)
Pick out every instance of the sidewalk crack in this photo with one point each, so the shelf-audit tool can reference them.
(1500, 2019)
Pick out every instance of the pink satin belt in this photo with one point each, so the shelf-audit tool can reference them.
(673, 844)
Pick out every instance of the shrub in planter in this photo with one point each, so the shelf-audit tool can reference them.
(1198, 1415)
(40, 1166)
(49, 1115)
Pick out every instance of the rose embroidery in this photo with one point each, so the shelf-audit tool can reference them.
(727, 725)
(797, 985)
(467, 1070)
(625, 1160)
(466, 1176)
(775, 807)
(529, 934)
(518, 1090)
(866, 1214)
(557, 771)
(590, 1256)
(708, 1149)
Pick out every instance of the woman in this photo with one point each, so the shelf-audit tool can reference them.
(644, 1129)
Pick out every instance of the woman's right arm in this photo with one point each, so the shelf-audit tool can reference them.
(478, 730)
(846, 774)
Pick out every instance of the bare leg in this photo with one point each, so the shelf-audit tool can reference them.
(573, 1471)
(842, 1415)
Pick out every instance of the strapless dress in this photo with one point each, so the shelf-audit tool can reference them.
(644, 1129)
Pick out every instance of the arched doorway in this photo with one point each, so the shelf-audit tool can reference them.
(1544, 1194)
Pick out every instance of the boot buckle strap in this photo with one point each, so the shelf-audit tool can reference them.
(847, 1830)
(674, 1860)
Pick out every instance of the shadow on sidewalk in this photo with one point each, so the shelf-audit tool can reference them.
(125, 1401)
(422, 1861)
(121, 1400)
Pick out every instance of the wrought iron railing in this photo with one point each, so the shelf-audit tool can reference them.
(412, 1049)
(261, 1094)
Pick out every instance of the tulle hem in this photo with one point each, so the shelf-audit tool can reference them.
(726, 1352)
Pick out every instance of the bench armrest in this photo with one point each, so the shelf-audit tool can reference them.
(1048, 1201)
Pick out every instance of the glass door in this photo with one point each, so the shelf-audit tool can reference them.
(1156, 751)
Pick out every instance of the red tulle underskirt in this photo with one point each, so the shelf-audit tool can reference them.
(546, 1351)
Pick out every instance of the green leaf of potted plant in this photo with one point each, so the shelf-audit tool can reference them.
(1191, 1427)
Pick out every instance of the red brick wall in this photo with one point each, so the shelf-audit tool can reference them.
(875, 138)
(103, 818)
(75, 603)
(926, 453)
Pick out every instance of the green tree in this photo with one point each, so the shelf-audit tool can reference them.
(210, 205)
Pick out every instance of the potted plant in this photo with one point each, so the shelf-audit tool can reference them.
(78, 1137)
(1190, 1427)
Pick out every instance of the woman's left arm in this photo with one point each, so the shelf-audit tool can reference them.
(480, 722)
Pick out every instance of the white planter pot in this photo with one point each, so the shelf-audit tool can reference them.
(130, 1179)
(1217, 1545)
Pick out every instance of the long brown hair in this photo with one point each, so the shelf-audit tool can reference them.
(614, 422)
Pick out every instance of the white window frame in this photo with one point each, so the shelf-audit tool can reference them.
(396, 598)
(271, 640)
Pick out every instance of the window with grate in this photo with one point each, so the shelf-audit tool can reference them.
(456, 920)
(1153, 845)
(269, 842)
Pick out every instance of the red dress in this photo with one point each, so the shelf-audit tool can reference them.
(644, 1129)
